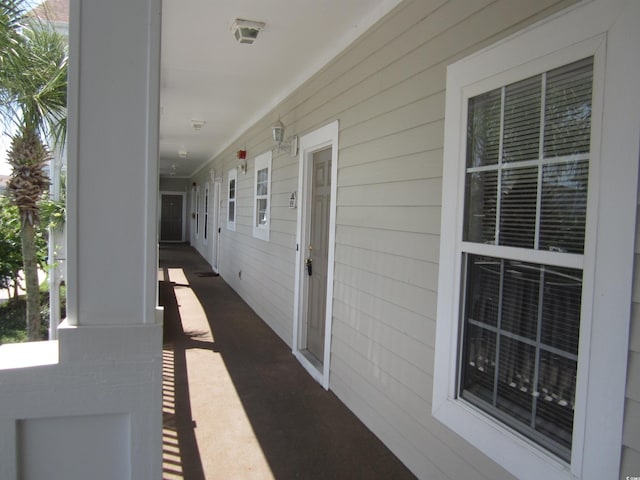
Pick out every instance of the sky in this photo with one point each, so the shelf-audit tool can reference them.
(5, 169)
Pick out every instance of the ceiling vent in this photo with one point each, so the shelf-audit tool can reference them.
(246, 31)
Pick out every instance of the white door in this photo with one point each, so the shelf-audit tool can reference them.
(313, 299)
(317, 253)
(215, 244)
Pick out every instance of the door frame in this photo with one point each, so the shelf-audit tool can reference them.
(311, 143)
(184, 216)
(215, 247)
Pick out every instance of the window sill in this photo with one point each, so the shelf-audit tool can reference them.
(508, 448)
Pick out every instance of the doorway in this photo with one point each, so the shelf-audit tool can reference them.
(215, 247)
(317, 252)
(172, 211)
(313, 301)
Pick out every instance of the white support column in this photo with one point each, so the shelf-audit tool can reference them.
(113, 149)
(93, 407)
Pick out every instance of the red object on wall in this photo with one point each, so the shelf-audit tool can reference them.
(242, 154)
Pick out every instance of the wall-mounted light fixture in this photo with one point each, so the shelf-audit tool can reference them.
(289, 145)
(182, 153)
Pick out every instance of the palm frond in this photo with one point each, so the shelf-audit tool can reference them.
(33, 81)
(12, 16)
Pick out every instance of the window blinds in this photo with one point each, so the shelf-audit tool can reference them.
(527, 162)
(527, 168)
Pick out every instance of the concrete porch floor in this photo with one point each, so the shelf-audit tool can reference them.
(237, 405)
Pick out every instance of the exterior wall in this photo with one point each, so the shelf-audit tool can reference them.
(262, 272)
(174, 184)
(631, 435)
(387, 91)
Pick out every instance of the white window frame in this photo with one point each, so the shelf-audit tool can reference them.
(198, 205)
(262, 161)
(592, 28)
(205, 214)
(232, 175)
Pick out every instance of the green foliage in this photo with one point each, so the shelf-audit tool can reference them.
(12, 326)
(12, 313)
(33, 73)
(33, 101)
(10, 245)
(52, 212)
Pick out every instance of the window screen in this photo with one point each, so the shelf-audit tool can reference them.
(527, 167)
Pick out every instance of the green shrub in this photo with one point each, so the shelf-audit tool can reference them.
(13, 326)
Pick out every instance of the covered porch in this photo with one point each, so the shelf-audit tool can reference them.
(236, 403)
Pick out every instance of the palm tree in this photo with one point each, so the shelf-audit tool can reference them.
(33, 99)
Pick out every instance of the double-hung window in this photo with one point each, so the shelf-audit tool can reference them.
(232, 187)
(197, 193)
(262, 196)
(526, 345)
(525, 197)
(205, 227)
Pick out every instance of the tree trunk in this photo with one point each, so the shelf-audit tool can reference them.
(16, 284)
(28, 237)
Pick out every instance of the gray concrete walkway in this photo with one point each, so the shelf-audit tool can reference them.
(237, 405)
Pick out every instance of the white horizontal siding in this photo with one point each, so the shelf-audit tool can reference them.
(631, 434)
(403, 320)
(630, 463)
(387, 91)
(409, 270)
(401, 294)
(413, 245)
(422, 192)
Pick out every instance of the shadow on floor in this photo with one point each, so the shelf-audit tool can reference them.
(180, 453)
(304, 432)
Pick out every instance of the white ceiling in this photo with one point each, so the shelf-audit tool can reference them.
(207, 75)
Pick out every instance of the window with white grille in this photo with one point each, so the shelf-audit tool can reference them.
(205, 226)
(537, 244)
(262, 196)
(232, 188)
(197, 193)
(527, 167)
